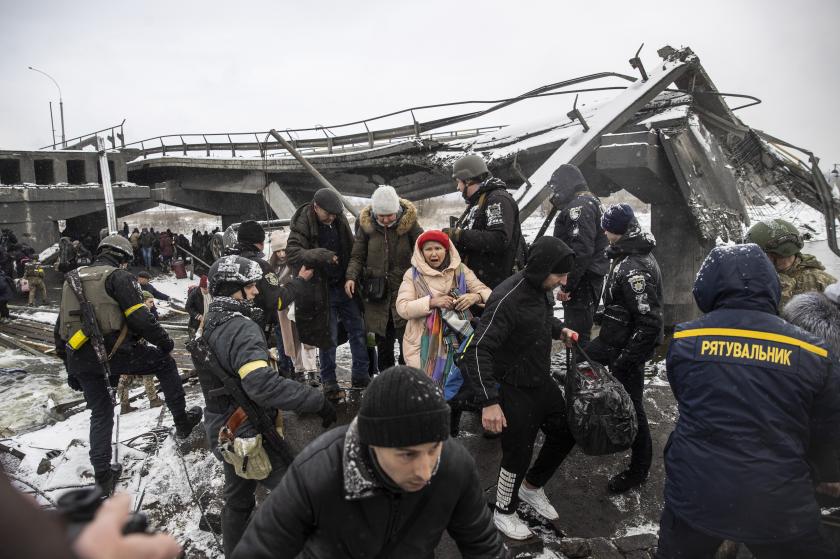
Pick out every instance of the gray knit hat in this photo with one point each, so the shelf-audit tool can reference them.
(402, 407)
(329, 201)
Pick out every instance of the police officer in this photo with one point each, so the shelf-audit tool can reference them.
(755, 394)
(579, 226)
(798, 272)
(487, 235)
(124, 321)
(232, 333)
(631, 326)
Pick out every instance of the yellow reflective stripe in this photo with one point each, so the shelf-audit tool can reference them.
(279, 303)
(752, 334)
(252, 366)
(77, 340)
(468, 342)
(130, 310)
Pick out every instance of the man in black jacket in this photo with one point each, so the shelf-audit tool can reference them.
(144, 279)
(198, 299)
(233, 334)
(508, 362)
(631, 326)
(387, 485)
(579, 226)
(118, 303)
(487, 235)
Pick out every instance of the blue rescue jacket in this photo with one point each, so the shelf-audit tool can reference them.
(753, 392)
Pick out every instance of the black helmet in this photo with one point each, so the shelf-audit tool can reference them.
(234, 271)
(117, 244)
(564, 182)
(470, 167)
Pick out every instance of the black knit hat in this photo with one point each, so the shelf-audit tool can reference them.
(402, 407)
(329, 201)
(250, 232)
(617, 218)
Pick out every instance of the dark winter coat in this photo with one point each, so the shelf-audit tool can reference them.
(239, 346)
(579, 226)
(154, 291)
(269, 299)
(122, 286)
(166, 246)
(333, 502)
(312, 308)
(488, 234)
(7, 288)
(373, 245)
(194, 306)
(753, 391)
(512, 343)
(147, 239)
(633, 321)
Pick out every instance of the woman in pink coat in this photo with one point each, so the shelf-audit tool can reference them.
(436, 284)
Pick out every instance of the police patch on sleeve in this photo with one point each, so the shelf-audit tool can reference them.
(574, 213)
(637, 283)
(271, 278)
(494, 215)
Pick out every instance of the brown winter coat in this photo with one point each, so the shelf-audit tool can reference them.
(413, 305)
(368, 260)
(312, 305)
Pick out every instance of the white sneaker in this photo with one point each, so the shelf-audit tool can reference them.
(512, 526)
(537, 499)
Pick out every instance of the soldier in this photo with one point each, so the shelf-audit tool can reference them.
(487, 235)
(233, 335)
(33, 273)
(631, 326)
(124, 321)
(579, 226)
(148, 381)
(798, 272)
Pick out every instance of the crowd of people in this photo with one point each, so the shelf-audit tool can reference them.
(462, 320)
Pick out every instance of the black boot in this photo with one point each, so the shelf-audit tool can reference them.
(626, 480)
(106, 481)
(184, 425)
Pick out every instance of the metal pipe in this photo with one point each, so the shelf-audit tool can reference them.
(313, 171)
(52, 125)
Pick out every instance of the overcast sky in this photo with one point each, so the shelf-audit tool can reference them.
(207, 66)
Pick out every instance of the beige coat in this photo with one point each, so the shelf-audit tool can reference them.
(413, 304)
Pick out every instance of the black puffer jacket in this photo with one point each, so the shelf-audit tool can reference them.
(512, 343)
(635, 285)
(238, 343)
(333, 503)
(488, 234)
(313, 304)
(579, 226)
(122, 286)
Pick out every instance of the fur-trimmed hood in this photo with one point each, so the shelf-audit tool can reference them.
(406, 221)
(817, 314)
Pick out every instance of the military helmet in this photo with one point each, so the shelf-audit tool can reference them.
(776, 236)
(469, 167)
(235, 270)
(117, 243)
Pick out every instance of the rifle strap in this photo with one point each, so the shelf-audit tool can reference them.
(119, 342)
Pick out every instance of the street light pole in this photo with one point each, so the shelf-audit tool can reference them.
(60, 103)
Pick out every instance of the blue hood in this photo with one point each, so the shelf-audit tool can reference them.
(737, 277)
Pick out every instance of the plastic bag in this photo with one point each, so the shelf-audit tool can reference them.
(599, 411)
(247, 456)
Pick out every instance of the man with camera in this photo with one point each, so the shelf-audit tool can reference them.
(631, 326)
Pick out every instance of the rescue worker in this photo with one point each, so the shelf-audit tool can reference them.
(33, 273)
(381, 254)
(753, 392)
(579, 226)
(387, 485)
(507, 362)
(798, 272)
(321, 238)
(124, 321)
(233, 333)
(631, 326)
(487, 235)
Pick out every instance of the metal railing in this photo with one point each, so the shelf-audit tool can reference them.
(89, 139)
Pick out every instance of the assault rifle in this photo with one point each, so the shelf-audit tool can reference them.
(90, 328)
(205, 361)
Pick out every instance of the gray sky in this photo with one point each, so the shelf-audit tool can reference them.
(210, 66)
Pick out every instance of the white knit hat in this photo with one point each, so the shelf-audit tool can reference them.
(385, 200)
(278, 239)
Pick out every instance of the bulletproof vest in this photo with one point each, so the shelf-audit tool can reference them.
(108, 313)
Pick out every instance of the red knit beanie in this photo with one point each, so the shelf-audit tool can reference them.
(433, 235)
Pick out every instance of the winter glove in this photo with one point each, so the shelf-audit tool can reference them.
(73, 383)
(622, 364)
(166, 345)
(327, 413)
(318, 257)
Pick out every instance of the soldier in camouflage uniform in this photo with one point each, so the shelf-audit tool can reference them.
(798, 272)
